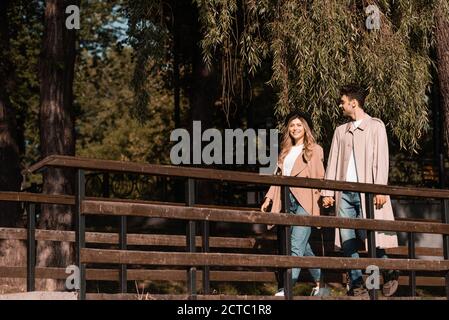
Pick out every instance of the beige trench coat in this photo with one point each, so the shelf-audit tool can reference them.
(372, 162)
(308, 198)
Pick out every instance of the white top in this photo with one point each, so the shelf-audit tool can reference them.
(351, 174)
(290, 159)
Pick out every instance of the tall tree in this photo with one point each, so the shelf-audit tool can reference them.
(57, 126)
(10, 177)
(13, 92)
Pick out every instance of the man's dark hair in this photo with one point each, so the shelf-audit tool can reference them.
(356, 92)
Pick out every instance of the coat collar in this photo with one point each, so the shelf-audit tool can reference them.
(362, 125)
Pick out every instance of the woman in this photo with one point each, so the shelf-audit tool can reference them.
(300, 156)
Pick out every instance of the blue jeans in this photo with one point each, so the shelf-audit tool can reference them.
(300, 241)
(350, 207)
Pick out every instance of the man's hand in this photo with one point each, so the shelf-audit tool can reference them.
(265, 205)
(328, 202)
(379, 201)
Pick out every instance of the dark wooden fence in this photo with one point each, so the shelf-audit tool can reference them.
(198, 258)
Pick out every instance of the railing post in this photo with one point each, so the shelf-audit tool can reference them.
(191, 235)
(371, 234)
(106, 185)
(412, 255)
(122, 243)
(205, 247)
(31, 247)
(286, 245)
(80, 230)
(445, 218)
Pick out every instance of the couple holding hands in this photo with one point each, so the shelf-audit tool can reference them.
(359, 153)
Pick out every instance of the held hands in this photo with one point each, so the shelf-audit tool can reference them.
(379, 201)
(328, 202)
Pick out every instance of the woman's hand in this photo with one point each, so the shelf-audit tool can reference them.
(328, 202)
(264, 208)
(265, 205)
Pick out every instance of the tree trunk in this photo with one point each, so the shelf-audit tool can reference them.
(442, 46)
(202, 97)
(10, 177)
(12, 252)
(57, 129)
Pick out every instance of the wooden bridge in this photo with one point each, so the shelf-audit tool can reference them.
(254, 258)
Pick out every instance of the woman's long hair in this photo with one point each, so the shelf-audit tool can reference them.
(287, 141)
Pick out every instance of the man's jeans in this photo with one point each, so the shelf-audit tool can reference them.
(300, 241)
(351, 207)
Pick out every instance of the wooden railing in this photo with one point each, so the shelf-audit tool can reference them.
(192, 213)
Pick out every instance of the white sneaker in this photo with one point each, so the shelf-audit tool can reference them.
(280, 293)
(315, 291)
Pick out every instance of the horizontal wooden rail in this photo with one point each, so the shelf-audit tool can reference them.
(70, 200)
(36, 198)
(142, 274)
(245, 260)
(333, 277)
(180, 241)
(138, 239)
(232, 176)
(419, 251)
(40, 198)
(225, 215)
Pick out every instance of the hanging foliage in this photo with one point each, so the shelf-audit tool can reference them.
(315, 47)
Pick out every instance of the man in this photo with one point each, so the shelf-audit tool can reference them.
(359, 153)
